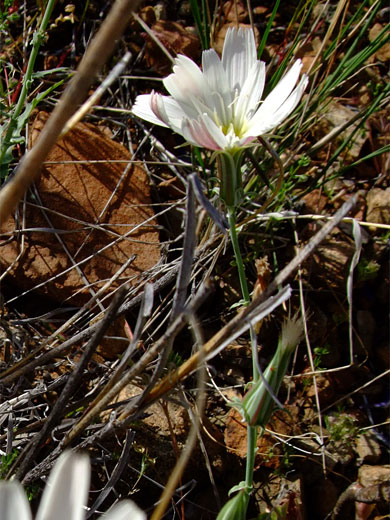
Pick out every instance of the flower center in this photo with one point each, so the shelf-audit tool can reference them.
(235, 124)
(233, 128)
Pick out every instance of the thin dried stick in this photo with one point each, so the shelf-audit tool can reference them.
(179, 468)
(95, 97)
(138, 367)
(72, 382)
(118, 470)
(213, 345)
(183, 280)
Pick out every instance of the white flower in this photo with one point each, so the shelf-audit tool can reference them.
(220, 107)
(65, 495)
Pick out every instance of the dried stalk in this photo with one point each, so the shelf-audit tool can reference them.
(71, 384)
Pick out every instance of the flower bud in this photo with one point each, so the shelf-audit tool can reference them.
(235, 508)
(258, 404)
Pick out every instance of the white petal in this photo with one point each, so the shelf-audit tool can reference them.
(279, 95)
(66, 491)
(186, 81)
(238, 56)
(214, 72)
(13, 502)
(250, 95)
(261, 125)
(125, 510)
(254, 84)
(291, 102)
(176, 111)
(142, 108)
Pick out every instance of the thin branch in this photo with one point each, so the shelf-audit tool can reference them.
(72, 383)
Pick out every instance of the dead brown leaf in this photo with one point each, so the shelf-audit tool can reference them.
(176, 39)
(90, 211)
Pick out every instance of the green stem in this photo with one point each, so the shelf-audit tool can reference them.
(231, 212)
(251, 443)
(251, 430)
(36, 43)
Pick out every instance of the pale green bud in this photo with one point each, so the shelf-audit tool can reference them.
(235, 508)
(258, 404)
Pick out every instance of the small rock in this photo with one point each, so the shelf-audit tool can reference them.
(378, 206)
(283, 493)
(374, 475)
(315, 201)
(368, 449)
(324, 387)
(329, 264)
(383, 53)
(235, 433)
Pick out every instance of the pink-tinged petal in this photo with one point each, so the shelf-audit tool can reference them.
(215, 132)
(188, 133)
(238, 56)
(173, 113)
(13, 502)
(196, 132)
(66, 492)
(245, 141)
(142, 108)
(168, 111)
(186, 81)
(157, 107)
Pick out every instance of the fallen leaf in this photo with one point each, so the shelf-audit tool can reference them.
(101, 220)
(176, 39)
